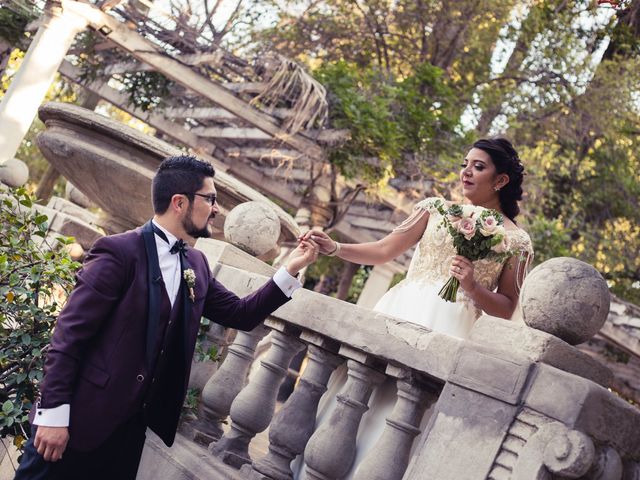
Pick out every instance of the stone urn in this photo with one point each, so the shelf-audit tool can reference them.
(113, 165)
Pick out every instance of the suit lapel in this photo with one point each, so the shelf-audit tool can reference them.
(187, 305)
(154, 284)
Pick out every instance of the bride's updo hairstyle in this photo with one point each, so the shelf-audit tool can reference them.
(506, 160)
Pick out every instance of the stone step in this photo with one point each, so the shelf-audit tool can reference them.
(185, 460)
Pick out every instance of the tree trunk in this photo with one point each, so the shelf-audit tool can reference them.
(346, 278)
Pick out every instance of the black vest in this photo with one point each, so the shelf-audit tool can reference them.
(168, 386)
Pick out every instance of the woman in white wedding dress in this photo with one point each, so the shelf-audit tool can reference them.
(491, 177)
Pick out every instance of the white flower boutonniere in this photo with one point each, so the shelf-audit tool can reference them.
(190, 278)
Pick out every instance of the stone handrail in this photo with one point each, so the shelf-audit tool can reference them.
(526, 403)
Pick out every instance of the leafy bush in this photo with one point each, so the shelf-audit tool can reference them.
(395, 124)
(35, 278)
(362, 102)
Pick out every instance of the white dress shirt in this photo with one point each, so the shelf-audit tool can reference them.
(170, 269)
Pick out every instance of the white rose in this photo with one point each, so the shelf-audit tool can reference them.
(488, 225)
(469, 211)
(501, 247)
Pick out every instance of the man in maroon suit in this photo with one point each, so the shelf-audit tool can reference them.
(120, 355)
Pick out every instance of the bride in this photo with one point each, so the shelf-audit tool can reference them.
(491, 176)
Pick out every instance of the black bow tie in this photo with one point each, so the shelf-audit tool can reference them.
(179, 247)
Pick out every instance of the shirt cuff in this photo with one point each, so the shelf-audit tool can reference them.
(52, 417)
(286, 282)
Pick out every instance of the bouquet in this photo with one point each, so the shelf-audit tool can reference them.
(477, 233)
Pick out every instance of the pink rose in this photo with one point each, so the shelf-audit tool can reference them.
(467, 227)
(488, 225)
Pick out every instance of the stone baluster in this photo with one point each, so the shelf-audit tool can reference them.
(332, 448)
(252, 410)
(225, 384)
(607, 465)
(631, 470)
(389, 457)
(294, 423)
(203, 370)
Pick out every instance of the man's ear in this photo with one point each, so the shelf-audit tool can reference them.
(178, 203)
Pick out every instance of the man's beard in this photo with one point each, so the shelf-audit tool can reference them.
(191, 229)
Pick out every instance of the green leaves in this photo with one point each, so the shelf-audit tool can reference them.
(34, 276)
(392, 121)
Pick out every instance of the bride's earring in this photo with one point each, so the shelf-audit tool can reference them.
(497, 189)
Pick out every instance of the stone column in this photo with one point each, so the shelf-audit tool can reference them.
(30, 84)
(332, 448)
(252, 410)
(224, 385)
(389, 457)
(294, 423)
(376, 285)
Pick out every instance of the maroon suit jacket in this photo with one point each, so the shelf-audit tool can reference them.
(96, 361)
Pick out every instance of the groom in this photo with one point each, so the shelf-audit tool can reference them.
(120, 354)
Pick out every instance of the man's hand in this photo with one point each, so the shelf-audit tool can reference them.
(304, 255)
(51, 442)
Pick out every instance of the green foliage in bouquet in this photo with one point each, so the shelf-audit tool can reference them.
(35, 278)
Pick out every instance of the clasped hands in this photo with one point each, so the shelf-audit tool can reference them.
(303, 255)
(326, 245)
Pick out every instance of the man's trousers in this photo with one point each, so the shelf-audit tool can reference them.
(116, 459)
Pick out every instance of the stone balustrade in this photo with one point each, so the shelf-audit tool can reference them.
(511, 402)
(514, 401)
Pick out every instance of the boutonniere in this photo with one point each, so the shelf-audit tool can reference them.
(190, 279)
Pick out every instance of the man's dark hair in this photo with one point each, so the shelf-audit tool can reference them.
(176, 175)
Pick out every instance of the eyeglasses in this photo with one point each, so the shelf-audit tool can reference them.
(211, 199)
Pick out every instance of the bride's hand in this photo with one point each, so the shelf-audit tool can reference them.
(462, 269)
(325, 243)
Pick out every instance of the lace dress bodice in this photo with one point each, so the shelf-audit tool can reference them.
(433, 255)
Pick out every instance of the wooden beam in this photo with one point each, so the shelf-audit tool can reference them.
(323, 136)
(200, 113)
(245, 87)
(159, 122)
(232, 133)
(228, 163)
(193, 59)
(219, 159)
(269, 186)
(214, 113)
(295, 176)
(146, 51)
(259, 153)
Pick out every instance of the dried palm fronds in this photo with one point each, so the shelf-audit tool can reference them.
(289, 82)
